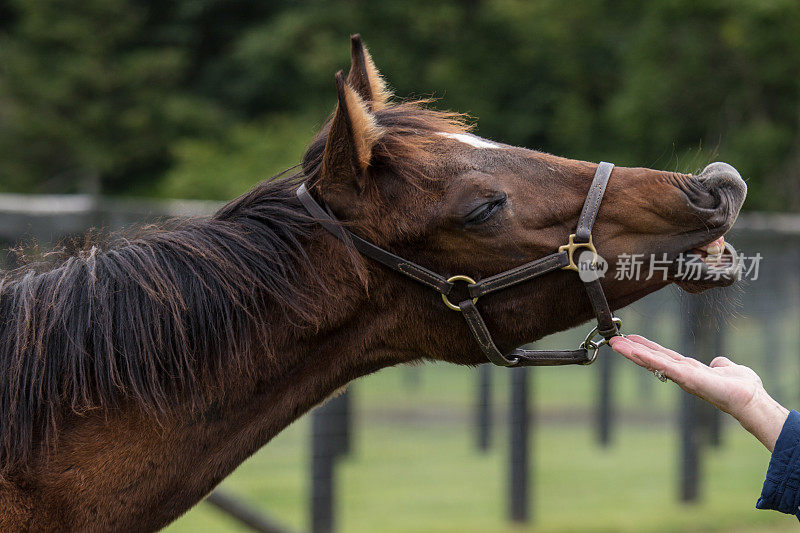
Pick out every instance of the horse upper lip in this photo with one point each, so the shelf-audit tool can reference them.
(723, 181)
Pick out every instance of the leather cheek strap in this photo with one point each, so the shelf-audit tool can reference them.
(583, 233)
(605, 317)
(395, 262)
(519, 274)
(592, 203)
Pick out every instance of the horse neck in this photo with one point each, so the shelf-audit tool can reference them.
(141, 472)
(138, 474)
(306, 360)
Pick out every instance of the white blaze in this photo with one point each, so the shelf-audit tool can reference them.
(472, 140)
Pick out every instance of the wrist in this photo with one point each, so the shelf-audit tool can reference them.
(764, 418)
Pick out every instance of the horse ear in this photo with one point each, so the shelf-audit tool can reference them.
(364, 76)
(352, 135)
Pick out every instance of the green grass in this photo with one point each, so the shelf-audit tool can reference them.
(414, 466)
(427, 476)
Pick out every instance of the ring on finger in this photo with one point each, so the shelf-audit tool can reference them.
(661, 377)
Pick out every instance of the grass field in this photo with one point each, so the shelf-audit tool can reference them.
(414, 466)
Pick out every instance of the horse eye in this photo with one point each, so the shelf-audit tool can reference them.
(485, 211)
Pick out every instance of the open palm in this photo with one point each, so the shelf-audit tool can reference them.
(730, 387)
(733, 388)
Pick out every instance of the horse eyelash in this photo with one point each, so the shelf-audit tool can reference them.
(486, 212)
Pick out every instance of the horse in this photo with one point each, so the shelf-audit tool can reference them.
(136, 375)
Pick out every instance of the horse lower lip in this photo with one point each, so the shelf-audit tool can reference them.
(724, 268)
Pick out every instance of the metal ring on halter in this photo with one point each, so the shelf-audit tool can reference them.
(450, 304)
(590, 344)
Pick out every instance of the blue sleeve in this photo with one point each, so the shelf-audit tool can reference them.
(781, 490)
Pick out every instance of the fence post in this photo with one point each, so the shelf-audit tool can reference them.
(690, 449)
(328, 441)
(717, 420)
(689, 441)
(412, 377)
(708, 343)
(648, 320)
(340, 411)
(483, 408)
(519, 448)
(605, 407)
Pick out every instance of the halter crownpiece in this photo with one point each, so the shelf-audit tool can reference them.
(607, 324)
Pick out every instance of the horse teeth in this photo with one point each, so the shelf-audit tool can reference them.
(714, 248)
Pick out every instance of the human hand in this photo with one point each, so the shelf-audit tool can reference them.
(734, 389)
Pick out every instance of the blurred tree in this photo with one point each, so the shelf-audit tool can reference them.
(87, 103)
(716, 80)
(139, 93)
(251, 152)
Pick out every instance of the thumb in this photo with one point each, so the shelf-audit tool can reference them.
(720, 362)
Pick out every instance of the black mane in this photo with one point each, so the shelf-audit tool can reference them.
(167, 316)
(150, 318)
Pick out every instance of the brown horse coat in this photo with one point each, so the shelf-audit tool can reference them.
(135, 377)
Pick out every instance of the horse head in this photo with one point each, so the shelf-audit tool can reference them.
(418, 183)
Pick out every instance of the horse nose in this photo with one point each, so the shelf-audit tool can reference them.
(723, 178)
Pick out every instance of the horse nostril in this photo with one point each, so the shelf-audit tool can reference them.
(722, 178)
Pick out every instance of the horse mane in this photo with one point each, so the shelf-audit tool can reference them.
(169, 315)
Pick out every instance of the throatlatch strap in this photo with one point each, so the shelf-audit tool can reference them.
(520, 356)
(395, 262)
(592, 204)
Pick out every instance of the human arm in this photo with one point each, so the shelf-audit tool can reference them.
(738, 391)
(734, 389)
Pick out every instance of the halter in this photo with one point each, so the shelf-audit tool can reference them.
(607, 324)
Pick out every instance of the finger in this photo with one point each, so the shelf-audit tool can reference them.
(622, 346)
(678, 371)
(655, 346)
(691, 375)
(627, 346)
(626, 349)
(719, 362)
(617, 339)
(666, 351)
(642, 355)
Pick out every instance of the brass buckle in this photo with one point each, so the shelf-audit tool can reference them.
(570, 248)
(447, 302)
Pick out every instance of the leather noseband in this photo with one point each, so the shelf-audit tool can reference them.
(607, 324)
